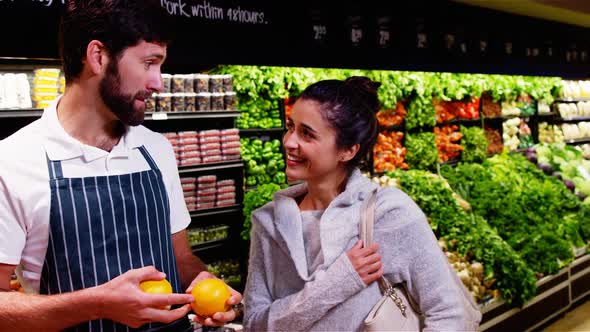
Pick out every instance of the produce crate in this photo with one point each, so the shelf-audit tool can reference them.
(580, 278)
(552, 299)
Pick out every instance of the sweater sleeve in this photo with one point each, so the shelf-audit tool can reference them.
(300, 310)
(429, 278)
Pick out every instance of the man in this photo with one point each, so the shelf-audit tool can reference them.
(91, 202)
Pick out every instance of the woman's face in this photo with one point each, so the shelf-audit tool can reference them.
(310, 144)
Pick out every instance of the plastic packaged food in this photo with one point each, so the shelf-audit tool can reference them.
(217, 101)
(44, 96)
(178, 102)
(216, 83)
(228, 82)
(190, 155)
(205, 199)
(224, 196)
(47, 72)
(229, 101)
(209, 185)
(230, 157)
(202, 206)
(230, 145)
(223, 183)
(201, 83)
(188, 134)
(167, 83)
(232, 151)
(232, 138)
(188, 180)
(209, 133)
(189, 148)
(189, 187)
(190, 193)
(230, 132)
(190, 199)
(212, 159)
(150, 104)
(226, 189)
(170, 135)
(188, 83)
(190, 102)
(164, 102)
(203, 101)
(226, 202)
(210, 153)
(188, 141)
(45, 81)
(206, 192)
(211, 146)
(191, 161)
(178, 83)
(191, 207)
(207, 179)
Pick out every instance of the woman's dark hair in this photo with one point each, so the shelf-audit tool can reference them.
(118, 24)
(351, 107)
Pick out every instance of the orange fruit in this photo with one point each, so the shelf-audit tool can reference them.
(211, 296)
(157, 287)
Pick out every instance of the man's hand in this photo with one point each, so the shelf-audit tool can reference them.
(219, 318)
(124, 302)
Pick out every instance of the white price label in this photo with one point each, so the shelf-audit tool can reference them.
(319, 32)
(160, 116)
(383, 38)
(356, 35)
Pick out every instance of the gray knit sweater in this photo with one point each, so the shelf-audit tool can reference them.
(281, 295)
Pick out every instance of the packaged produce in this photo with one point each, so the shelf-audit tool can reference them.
(164, 102)
(201, 83)
(229, 101)
(190, 102)
(203, 101)
(167, 83)
(217, 101)
(216, 83)
(178, 102)
(228, 82)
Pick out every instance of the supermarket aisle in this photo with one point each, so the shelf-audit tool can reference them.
(575, 320)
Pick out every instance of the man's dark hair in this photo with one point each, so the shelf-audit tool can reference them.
(118, 24)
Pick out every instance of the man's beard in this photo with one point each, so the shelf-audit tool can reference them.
(121, 104)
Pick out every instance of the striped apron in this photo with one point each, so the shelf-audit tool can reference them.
(101, 227)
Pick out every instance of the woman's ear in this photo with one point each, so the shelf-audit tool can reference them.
(97, 57)
(347, 154)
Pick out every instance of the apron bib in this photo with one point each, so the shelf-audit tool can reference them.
(101, 227)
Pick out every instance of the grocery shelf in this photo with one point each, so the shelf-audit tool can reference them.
(573, 119)
(460, 121)
(157, 116)
(208, 245)
(262, 132)
(578, 141)
(21, 113)
(211, 166)
(399, 127)
(571, 100)
(216, 211)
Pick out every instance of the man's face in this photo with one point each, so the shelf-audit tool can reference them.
(131, 80)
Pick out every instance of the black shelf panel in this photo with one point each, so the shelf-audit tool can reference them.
(210, 166)
(508, 117)
(571, 100)
(216, 211)
(399, 127)
(578, 141)
(21, 113)
(274, 132)
(574, 119)
(460, 121)
(30, 61)
(206, 246)
(159, 116)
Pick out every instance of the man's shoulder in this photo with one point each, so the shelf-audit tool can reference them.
(149, 138)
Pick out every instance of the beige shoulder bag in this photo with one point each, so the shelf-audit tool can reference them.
(395, 311)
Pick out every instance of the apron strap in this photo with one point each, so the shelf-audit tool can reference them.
(54, 167)
(148, 158)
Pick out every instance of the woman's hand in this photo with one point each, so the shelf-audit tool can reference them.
(366, 261)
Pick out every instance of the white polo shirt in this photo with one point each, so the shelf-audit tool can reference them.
(25, 195)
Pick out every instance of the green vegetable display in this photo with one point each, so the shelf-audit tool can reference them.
(421, 151)
(253, 200)
(474, 143)
(504, 270)
(263, 160)
(525, 206)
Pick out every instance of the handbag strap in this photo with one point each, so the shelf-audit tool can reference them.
(366, 234)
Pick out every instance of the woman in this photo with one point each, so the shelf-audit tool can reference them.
(308, 269)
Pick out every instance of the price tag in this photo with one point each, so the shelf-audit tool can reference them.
(160, 116)
(319, 32)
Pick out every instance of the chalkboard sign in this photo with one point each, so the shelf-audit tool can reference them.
(406, 35)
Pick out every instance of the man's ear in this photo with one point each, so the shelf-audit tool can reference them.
(347, 154)
(97, 57)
